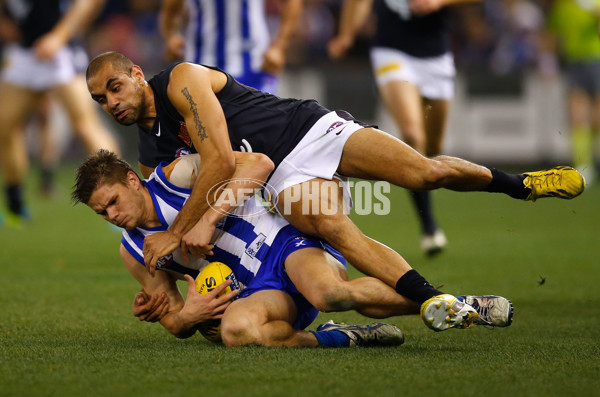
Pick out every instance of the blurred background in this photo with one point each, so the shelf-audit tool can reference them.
(510, 99)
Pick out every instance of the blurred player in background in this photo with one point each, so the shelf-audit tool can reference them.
(414, 70)
(231, 35)
(37, 62)
(573, 34)
(288, 276)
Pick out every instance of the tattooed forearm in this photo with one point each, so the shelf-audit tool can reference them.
(199, 127)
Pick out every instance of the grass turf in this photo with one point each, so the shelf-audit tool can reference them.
(67, 330)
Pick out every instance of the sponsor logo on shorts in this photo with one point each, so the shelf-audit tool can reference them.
(334, 126)
(301, 241)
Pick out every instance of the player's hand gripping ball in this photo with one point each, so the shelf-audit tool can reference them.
(211, 276)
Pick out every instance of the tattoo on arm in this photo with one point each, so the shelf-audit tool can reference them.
(199, 127)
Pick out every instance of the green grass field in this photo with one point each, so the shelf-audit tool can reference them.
(66, 327)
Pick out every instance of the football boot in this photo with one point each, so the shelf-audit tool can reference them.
(563, 182)
(433, 244)
(446, 311)
(492, 310)
(376, 334)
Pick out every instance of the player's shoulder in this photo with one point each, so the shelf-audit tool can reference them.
(182, 172)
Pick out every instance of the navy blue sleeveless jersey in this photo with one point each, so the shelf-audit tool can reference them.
(34, 17)
(421, 37)
(256, 121)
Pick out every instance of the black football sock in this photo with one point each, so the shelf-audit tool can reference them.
(422, 200)
(14, 194)
(511, 184)
(415, 287)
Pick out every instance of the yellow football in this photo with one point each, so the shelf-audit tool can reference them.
(211, 276)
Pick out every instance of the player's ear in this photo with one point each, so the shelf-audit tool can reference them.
(133, 179)
(138, 74)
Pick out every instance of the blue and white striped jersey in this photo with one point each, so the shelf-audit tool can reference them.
(230, 34)
(242, 240)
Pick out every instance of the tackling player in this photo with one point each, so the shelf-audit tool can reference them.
(288, 276)
(200, 108)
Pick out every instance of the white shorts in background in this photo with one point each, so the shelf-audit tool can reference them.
(434, 76)
(22, 68)
(317, 155)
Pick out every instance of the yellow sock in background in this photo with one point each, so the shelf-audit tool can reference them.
(583, 158)
(582, 148)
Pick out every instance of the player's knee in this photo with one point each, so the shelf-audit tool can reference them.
(434, 174)
(239, 331)
(333, 298)
(326, 227)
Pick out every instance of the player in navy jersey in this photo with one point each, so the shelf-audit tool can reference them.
(37, 62)
(205, 109)
(287, 275)
(231, 35)
(414, 71)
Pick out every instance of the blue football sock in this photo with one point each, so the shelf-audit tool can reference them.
(332, 338)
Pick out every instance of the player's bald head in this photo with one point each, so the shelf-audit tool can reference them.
(120, 62)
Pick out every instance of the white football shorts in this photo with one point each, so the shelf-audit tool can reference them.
(434, 76)
(22, 68)
(317, 155)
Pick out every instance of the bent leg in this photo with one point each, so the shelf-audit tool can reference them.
(84, 117)
(318, 214)
(264, 318)
(323, 281)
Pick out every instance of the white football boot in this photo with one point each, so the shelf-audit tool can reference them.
(493, 310)
(435, 243)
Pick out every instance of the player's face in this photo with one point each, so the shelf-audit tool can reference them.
(122, 205)
(120, 95)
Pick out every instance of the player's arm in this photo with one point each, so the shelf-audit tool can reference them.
(252, 170)
(78, 17)
(191, 92)
(353, 16)
(169, 20)
(182, 317)
(275, 55)
(9, 30)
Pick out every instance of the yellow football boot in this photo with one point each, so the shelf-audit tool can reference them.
(563, 182)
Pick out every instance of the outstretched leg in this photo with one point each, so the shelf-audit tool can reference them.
(373, 154)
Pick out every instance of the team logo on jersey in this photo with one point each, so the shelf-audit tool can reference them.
(255, 245)
(334, 126)
(184, 135)
(182, 151)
